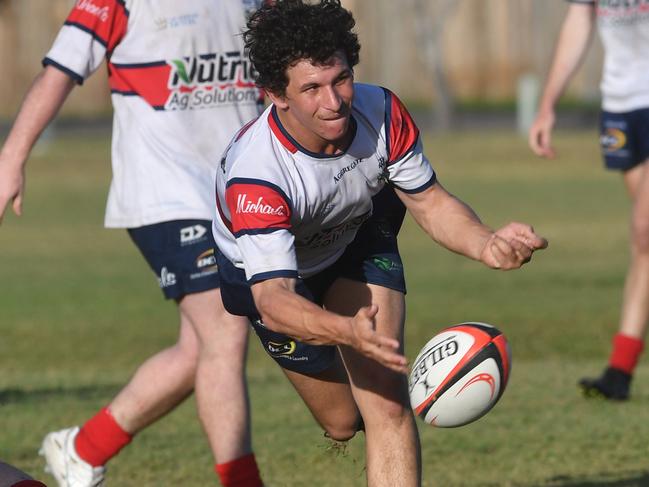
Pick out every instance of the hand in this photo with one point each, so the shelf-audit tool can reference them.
(540, 135)
(12, 186)
(368, 342)
(511, 246)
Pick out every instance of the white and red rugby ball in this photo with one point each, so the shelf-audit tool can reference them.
(460, 374)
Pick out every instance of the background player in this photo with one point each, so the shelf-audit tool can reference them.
(624, 138)
(180, 86)
(307, 221)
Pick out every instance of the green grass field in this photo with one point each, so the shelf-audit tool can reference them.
(79, 310)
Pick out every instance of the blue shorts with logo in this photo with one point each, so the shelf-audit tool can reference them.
(624, 138)
(182, 254)
(373, 257)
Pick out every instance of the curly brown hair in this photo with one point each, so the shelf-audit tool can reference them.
(283, 32)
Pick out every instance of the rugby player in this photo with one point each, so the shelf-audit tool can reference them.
(180, 88)
(310, 198)
(624, 140)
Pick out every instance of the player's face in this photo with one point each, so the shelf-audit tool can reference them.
(316, 106)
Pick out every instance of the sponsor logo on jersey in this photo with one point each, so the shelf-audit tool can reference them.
(93, 9)
(211, 80)
(331, 235)
(347, 169)
(622, 13)
(163, 23)
(166, 278)
(193, 234)
(443, 350)
(326, 210)
(246, 205)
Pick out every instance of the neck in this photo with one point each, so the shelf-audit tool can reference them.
(312, 142)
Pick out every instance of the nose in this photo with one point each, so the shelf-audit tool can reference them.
(332, 99)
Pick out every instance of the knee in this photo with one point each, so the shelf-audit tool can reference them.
(343, 431)
(187, 354)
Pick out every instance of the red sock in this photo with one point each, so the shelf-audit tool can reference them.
(626, 352)
(101, 438)
(242, 472)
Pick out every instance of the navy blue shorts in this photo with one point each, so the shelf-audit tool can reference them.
(624, 138)
(373, 257)
(182, 254)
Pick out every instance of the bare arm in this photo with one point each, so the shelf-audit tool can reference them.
(454, 225)
(573, 42)
(284, 311)
(42, 102)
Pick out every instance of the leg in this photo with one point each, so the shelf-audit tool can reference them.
(330, 400)
(221, 390)
(635, 306)
(77, 456)
(159, 384)
(629, 341)
(393, 451)
(220, 386)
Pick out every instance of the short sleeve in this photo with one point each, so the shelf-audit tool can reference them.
(260, 220)
(408, 168)
(90, 33)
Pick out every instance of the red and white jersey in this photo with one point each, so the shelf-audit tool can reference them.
(181, 87)
(624, 29)
(283, 211)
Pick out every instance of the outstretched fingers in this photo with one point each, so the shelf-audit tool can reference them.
(367, 341)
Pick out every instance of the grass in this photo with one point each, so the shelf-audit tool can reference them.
(79, 310)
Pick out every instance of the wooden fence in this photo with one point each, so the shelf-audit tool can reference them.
(486, 46)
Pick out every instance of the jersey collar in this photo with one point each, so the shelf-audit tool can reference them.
(293, 146)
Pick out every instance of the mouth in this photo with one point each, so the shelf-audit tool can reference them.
(341, 116)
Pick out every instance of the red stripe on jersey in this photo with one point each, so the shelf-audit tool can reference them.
(256, 207)
(403, 131)
(149, 82)
(279, 134)
(105, 19)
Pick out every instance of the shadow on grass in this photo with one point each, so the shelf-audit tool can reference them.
(636, 479)
(24, 396)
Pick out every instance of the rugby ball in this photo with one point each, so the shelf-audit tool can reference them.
(460, 374)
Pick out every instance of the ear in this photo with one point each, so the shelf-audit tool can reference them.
(278, 100)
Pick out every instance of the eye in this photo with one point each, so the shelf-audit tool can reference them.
(343, 78)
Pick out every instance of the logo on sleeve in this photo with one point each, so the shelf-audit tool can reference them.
(88, 6)
(259, 207)
(256, 207)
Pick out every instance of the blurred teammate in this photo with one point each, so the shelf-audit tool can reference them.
(310, 197)
(624, 138)
(180, 88)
